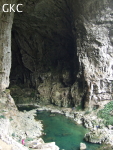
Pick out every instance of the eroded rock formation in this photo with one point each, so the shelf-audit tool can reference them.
(63, 49)
(94, 28)
(6, 20)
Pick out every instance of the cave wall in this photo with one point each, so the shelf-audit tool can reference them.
(93, 21)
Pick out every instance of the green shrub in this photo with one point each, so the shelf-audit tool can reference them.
(106, 113)
(2, 116)
(33, 94)
(13, 134)
(105, 147)
(7, 91)
(10, 119)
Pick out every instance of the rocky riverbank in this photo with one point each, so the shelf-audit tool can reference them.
(15, 126)
(98, 132)
(12, 132)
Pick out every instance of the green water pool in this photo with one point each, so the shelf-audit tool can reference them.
(63, 131)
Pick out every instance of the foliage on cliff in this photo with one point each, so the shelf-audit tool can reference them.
(107, 113)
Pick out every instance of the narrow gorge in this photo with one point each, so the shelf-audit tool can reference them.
(58, 54)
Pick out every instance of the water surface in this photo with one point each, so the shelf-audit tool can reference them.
(66, 134)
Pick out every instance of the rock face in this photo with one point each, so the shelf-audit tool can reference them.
(6, 20)
(64, 51)
(93, 23)
(103, 135)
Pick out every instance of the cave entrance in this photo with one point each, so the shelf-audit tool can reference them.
(44, 56)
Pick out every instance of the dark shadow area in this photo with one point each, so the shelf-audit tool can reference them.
(44, 53)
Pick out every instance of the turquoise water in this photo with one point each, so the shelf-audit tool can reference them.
(63, 131)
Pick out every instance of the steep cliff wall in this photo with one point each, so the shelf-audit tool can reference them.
(93, 21)
(6, 20)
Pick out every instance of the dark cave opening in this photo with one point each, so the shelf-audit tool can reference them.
(36, 51)
(19, 73)
(57, 62)
(44, 56)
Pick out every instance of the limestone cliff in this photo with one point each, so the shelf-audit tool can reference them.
(62, 49)
(93, 22)
(6, 20)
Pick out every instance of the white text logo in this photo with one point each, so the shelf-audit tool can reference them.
(11, 8)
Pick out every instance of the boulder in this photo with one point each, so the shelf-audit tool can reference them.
(47, 146)
(83, 146)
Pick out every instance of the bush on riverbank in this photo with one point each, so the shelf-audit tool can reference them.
(106, 147)
(107, 113)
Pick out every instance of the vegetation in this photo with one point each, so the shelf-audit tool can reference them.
(106, 147)
(10, 119)
(79, 107)
(13, 134)
(107, 113)
(2, 116)
(7, 91)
